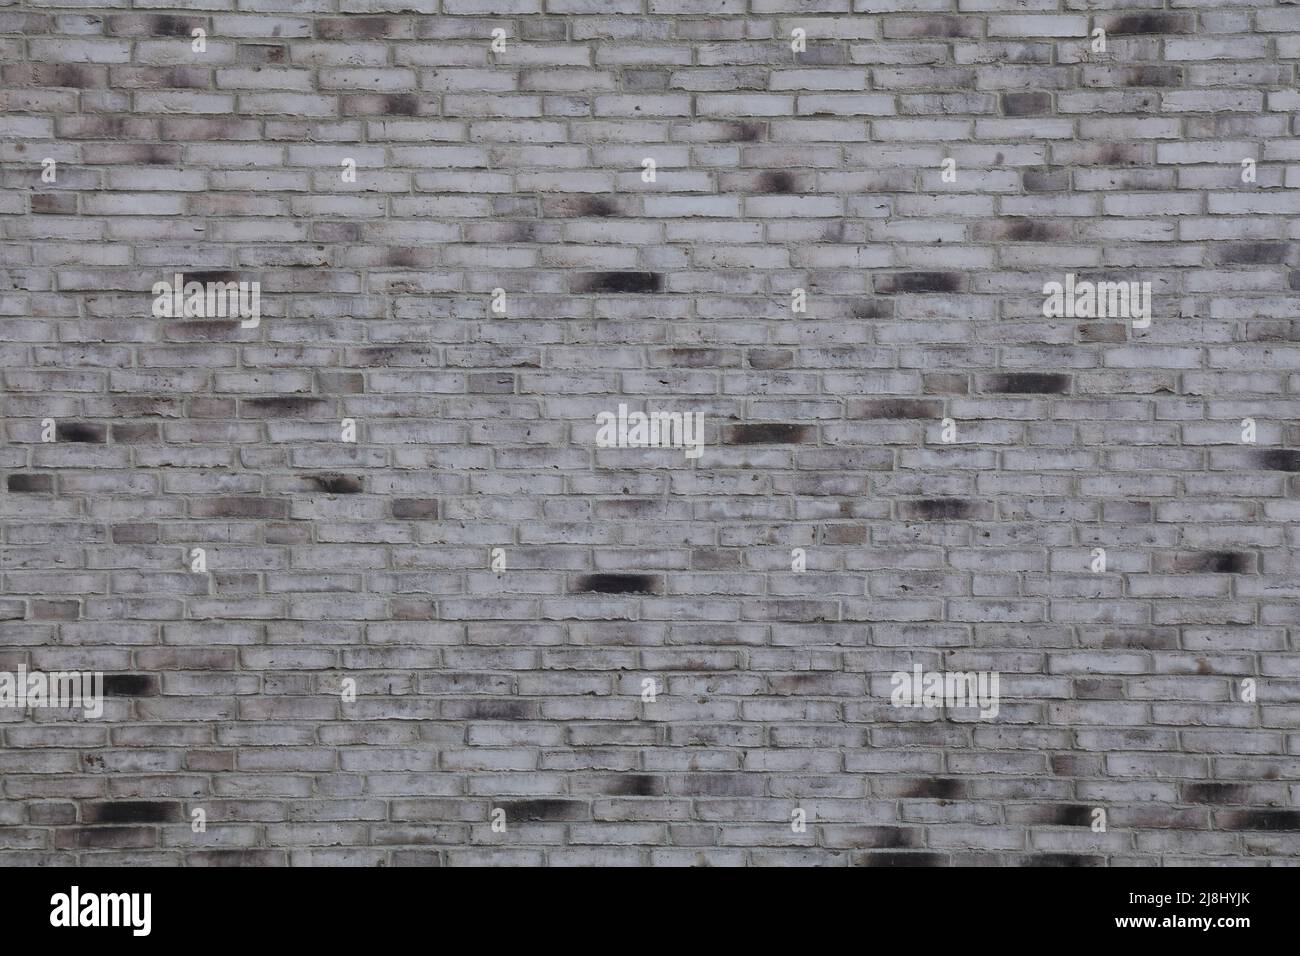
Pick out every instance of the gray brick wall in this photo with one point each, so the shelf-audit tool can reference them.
(918, 466)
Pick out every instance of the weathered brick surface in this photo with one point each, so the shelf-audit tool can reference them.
(521, 690)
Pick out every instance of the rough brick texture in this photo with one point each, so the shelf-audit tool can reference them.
(520, 689)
